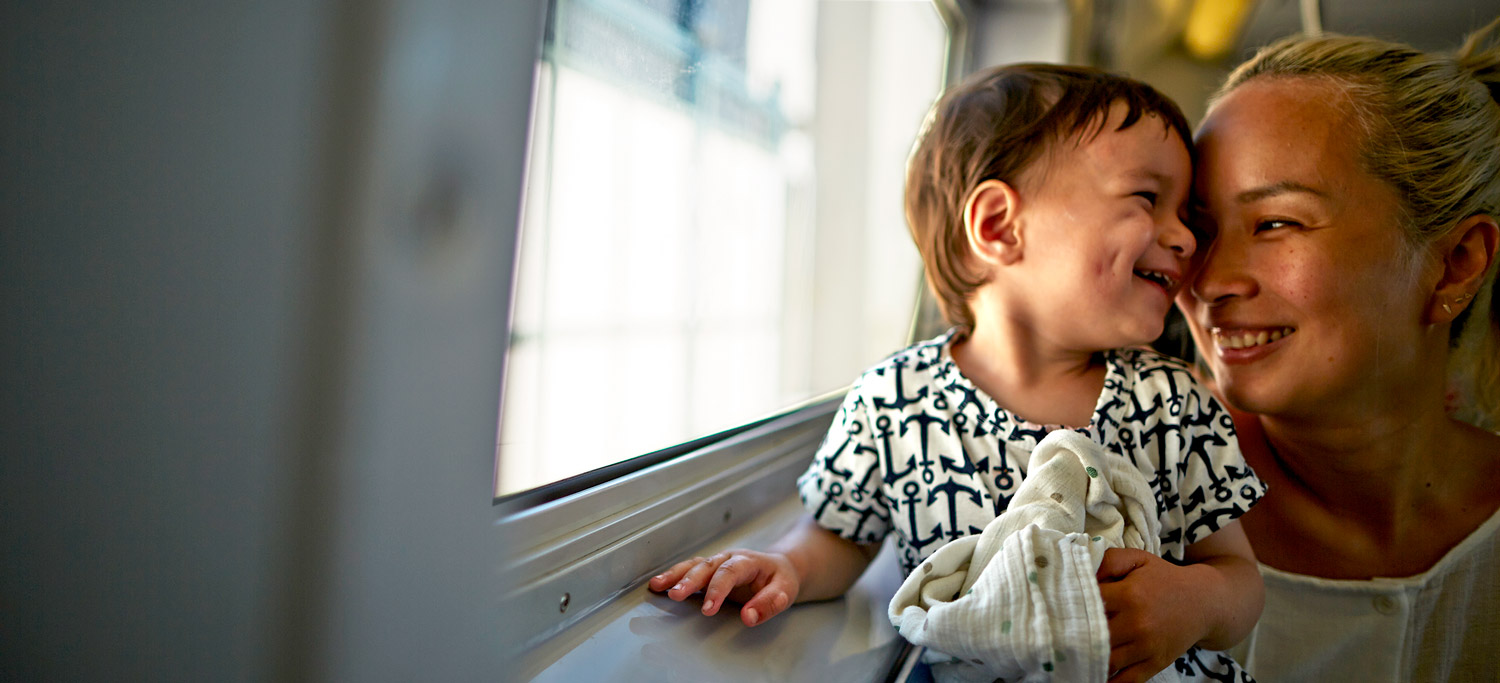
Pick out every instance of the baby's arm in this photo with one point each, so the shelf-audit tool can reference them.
(809, 563)
(1157, 610)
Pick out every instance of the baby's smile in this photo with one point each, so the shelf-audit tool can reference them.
(1167, 281)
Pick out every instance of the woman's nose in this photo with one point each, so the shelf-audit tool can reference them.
(1222, 272)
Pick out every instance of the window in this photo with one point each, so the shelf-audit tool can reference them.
(713, 224)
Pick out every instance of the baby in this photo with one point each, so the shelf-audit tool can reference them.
(1049, 206)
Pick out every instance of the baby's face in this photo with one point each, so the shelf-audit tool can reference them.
(1105, 244)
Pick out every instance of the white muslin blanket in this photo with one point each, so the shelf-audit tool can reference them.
(1019, 601)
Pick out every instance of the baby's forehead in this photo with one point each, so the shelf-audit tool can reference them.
(1117, 120)
(1144, 148)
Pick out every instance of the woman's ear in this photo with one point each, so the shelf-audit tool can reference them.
(1467, 255)
(990, 223)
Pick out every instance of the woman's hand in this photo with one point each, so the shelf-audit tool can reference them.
(764, 583)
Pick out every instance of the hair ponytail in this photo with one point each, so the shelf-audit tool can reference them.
(1480, 56)
(1474, 367)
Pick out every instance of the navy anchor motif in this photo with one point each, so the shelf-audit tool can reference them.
(835, 490)
(970, 398)
(901, 400)
(1150, 413)
(830, 462)
(951, 489)
(924, 421)
(966, 466)
(892, 475)
(913, 492)
(865, 512)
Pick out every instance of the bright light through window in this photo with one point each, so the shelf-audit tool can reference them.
(713, 226)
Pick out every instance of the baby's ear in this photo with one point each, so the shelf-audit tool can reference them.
(990, 223)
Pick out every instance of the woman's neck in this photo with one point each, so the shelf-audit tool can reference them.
(1387, 495)
(1372, 456)
(1373, 469)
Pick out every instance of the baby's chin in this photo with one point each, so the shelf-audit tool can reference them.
(1146, 336)
(1124, 334)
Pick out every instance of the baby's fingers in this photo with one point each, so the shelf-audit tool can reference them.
(1135, 661)
(686, 577)
(1119, 562)
(732, 572)
(661, 582)
(768, 602)
(1136, 671)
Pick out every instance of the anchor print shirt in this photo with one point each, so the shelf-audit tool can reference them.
(918, 450)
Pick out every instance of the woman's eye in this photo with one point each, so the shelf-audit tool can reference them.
(1272, 224)
(1150, 197)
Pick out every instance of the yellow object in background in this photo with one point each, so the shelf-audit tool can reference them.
(1213, 26)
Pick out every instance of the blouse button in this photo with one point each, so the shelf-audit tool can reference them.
(1385, 604)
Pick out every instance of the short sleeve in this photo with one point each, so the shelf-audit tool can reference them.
(841, 487)
(1183, 441)
(1217, 486)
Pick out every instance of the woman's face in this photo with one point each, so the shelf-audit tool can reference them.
(1306, 300)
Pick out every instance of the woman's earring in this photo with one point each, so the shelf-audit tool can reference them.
(1447, 310)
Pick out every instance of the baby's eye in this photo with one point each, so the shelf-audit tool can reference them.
(1150, 197)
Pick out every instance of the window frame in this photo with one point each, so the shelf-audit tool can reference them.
(570, 556)
(575, 545)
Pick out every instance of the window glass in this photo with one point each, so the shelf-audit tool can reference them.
(713, 222)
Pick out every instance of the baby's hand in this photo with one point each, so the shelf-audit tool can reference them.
(1152, 609)
(764, 583)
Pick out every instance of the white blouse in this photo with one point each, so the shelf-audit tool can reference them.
(1440, 625)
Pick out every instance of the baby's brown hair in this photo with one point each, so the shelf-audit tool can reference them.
(993, 126)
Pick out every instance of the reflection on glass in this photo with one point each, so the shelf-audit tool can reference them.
(713, 224)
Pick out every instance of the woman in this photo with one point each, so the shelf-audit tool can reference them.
(1352, 187)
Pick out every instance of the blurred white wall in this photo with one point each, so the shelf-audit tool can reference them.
(254, 258)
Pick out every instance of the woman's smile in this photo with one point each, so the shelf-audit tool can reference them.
(1243, 345)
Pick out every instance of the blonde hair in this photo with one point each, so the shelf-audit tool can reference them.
(1431, 127)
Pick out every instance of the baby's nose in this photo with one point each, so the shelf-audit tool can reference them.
(1176, 236)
